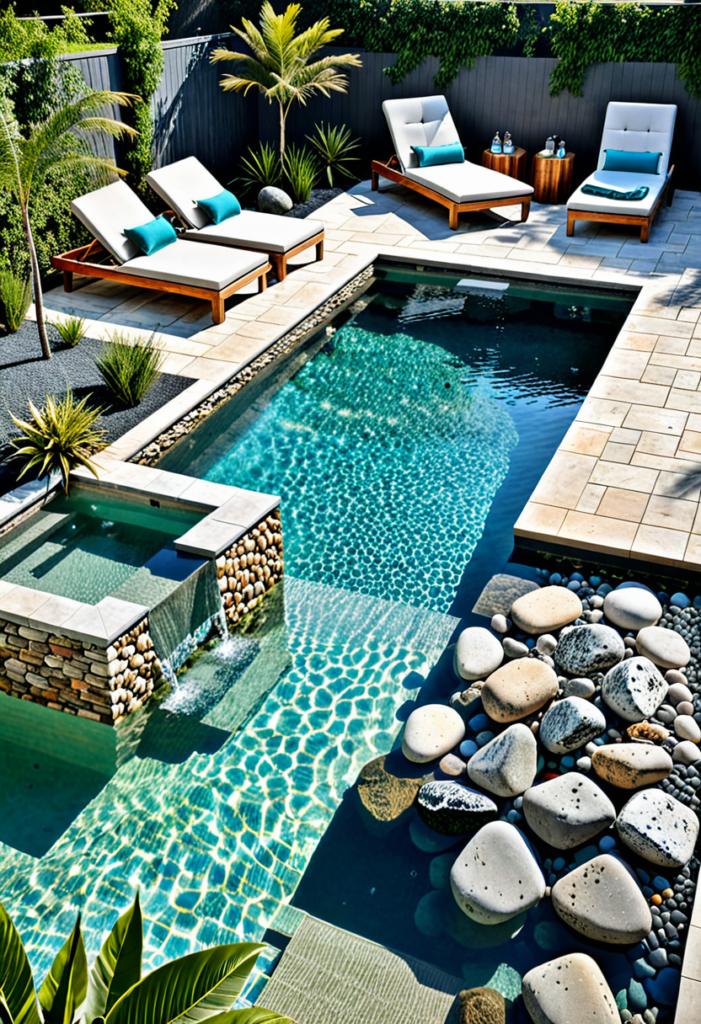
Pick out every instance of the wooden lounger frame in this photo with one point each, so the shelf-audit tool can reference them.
(644, 223)
(94, 261)
(390, 171)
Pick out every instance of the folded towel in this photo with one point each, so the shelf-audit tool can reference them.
(635, 194)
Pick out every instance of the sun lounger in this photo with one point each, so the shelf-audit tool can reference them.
(182, 184)
(639, 129)
(184, 268)
(461, 187)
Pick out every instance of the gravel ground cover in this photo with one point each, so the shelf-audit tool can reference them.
(318, 197)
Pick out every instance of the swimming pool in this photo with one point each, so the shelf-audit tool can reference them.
(403, 447)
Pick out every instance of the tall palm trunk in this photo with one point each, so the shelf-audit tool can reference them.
(283, 114)
(36, 281)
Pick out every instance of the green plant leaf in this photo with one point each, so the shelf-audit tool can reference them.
(253, 1015)
(191, 989)
(16, 981)
(5, 1015)
(66, 983)
(118, 964)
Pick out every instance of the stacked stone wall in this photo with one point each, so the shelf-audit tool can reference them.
(250, 568)
(103, 684)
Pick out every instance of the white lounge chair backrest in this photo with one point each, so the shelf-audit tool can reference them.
(426, 121)
(107, 212)
(639, 128)
(181, 185)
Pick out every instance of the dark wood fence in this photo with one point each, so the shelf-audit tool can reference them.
(194, 116)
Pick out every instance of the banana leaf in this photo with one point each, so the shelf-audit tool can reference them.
(66, 983)
(16, 983)
(117, 966)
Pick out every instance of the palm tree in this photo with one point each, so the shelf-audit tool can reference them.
(61, 144)
(280, 66)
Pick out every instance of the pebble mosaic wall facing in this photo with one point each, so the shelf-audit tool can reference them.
(251, 567)
(103, 684)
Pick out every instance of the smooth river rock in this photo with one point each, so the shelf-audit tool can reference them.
(507, 764)
(545, 610)
(687, 728)
(569, 724)
(478, 653)
(568, 811)
(453, 809)
(569, 990)
(602, 901)
(631, 765)
(634, 689)
(496, 876)
(658, 828)
(431, 731)
(274, 200)
(663, 646)
(587, 649)
(632, 608)
(518, 689)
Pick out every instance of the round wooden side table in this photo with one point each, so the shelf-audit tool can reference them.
(551, 178)
(513, 164)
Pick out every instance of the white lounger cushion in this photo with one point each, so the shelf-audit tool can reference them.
(424, 121)
(194, 264)
(469, 183)
(265, 231)
(107, 211)
(621, 181)
(639, 128)
(182, 185)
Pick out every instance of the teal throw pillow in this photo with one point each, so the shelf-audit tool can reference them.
(151, 237)
(635, 163)
(432, 156)
(220, 207)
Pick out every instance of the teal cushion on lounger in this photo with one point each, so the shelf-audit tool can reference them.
(432, 156)
(151, 237)
(636, 163)
(220, 207)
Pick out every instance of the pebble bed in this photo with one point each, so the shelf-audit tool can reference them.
(656, 960)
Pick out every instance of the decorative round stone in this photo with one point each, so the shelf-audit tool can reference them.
(579, 688)
(496, 876)
(584, 650)
(568, 990)
(500, 623)
(678, 693)
(602, 901)
(545, 610)
(452, 765)
(452, 809)
(631, 765)
(634, 689)
(507, 764)
(478, 653)
(569, 724)
(687, 728)
(663, 646)
(568, 811)
(518, 689)
(687, 753)
(274, 200)
(658, 828)
(431, 731)
(632, 607)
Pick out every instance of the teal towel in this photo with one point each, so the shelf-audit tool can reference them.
(634, 196)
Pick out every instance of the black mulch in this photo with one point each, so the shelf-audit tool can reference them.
(318, 197)
(24, 374)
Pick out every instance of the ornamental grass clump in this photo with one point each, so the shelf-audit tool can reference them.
(129, 368)
(15, 297)
(71, 330)
(334, 146)
(60, 437)
(301, 172)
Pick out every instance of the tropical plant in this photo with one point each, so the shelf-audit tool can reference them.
(60, 438)
(334, 146)
(58, 145)
(198, 987)
(260, 168)
(129, 368)
(280, 66)
(31, 38)
(71, 330)
(301, 171)
(15, 297)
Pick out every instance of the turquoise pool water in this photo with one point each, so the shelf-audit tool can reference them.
(400, 448)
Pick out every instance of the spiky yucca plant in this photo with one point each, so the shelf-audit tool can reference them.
(334, 146)
(60, 437)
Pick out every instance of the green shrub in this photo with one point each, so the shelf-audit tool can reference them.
(16, 297)
(334, 146)
(301, 172)
(129, 368)
(260, 168)
(60, 437)
(71, 330)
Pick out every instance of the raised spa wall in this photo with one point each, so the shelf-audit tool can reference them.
(98, 662)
